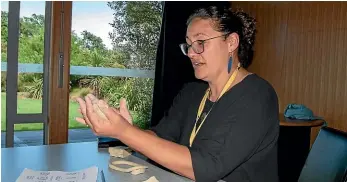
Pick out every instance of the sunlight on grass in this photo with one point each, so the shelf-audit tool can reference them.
(26, 106)
(35, 106)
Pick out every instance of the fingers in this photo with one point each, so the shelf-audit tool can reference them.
(89, 113)
(82, 104)
(79, 111)
(93, 98)
(124, 110)
(122, 103)
(110, 113)
(116, 110)
(103, 105)
(83, 110)
(81, 120)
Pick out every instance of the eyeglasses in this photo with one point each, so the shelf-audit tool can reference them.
(198, 45)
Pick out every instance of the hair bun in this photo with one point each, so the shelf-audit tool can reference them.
(249, 26)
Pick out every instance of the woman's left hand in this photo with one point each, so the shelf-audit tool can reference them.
(113, 126)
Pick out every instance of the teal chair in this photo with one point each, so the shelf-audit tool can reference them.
(327, 159)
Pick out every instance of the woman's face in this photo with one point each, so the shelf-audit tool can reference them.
(216, 52)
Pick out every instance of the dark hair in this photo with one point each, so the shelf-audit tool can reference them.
(228, 22)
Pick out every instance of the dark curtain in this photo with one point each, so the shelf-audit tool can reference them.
(173, 69)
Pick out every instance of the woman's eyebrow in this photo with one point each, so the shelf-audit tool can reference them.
(197, 35)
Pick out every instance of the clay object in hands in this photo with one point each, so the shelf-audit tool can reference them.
(98, 105)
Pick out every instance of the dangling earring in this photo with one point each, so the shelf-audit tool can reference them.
(230, 62)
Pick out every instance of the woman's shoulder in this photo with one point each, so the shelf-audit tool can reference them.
(256, 80)
(253, 83)
(252, 88)
(253, 96)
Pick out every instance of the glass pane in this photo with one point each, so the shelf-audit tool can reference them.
(28, 127)
(4, 23)
(30, 52)
(30, 57)
(109, 39)
(30, 134)
(4, 10)
(29, 95)
(3, 104)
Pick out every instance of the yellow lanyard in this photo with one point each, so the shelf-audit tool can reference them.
(202, 105)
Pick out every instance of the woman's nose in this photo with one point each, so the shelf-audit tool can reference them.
(191, 53)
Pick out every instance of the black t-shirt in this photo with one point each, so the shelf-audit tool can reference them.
(238, 140)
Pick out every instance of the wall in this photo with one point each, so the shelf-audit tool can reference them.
(301, 49)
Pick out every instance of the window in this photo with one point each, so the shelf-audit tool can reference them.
(113, 51)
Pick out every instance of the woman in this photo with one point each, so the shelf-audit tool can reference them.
(224, 128)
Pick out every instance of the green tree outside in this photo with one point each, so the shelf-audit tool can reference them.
(136, 31)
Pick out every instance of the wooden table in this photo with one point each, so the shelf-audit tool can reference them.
(292, 122)
(294, 146)
(74, 157)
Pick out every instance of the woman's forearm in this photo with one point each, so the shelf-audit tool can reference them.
(166, 153)
(150, 132)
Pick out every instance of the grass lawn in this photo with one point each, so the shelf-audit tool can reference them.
(35, 106)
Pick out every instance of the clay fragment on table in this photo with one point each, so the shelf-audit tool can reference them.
(138, 171)
(119, 152)
(151, 179)
(135, 170)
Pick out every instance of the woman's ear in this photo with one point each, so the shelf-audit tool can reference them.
(233, 42)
